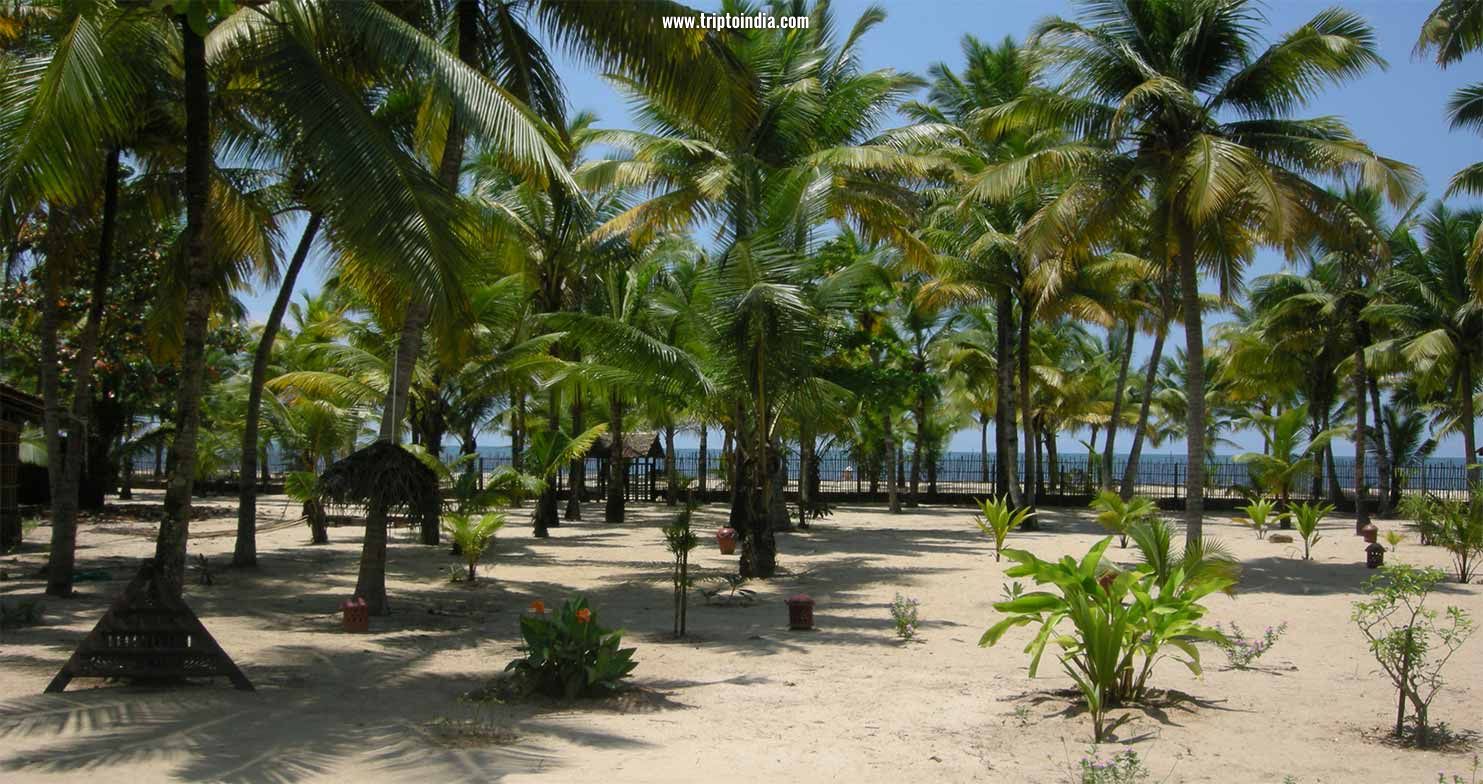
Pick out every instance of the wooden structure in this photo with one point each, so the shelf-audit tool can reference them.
(638, 452)
(148, 634)
(16, 409)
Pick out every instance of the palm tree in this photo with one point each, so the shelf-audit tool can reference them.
(791, 148)
(1434, 308)
(1453, 29)
(1285, 456)
(1178, 103)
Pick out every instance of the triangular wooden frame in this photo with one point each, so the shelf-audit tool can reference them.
(149, 634)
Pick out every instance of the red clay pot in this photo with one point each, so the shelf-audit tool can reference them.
(726, 539)
(356, 616)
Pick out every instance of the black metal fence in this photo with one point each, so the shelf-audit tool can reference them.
(959, 477)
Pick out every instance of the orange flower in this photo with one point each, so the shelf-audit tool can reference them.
(584, 615)
(538, 607)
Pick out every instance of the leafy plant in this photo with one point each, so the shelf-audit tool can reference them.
(904, 614)
(680, 540)
(1394, 539)
(1411, 642)
(568, 654)
(23, 612)
(1459, 530)
(1242, 651)
(1117, 515)
(1423, 511)
(1123, 623)
(1124, 767)
(996, 519)
(1259, 516)
(1305, 518)
(472, 535)
(1154, 539)
(303, 487)
(735, 593)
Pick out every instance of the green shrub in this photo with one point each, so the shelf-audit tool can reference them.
(1260, 517)
(904, 615)
(1305, 518)
(1117, 515)
(1411, 642)
(471, 535)
(1459, 530)
(1154, 539)
(996, 519)
(23, 612)
(679, 540)
(1123, 623)
(1124, 767)
(568, 654)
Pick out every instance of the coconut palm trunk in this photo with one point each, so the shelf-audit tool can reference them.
(702, 461)
(1004, 399)
(1104, 478)
(65, 498)
(1469, 437)
(244, 553)
(577, 492)
(613, 511)
(1381, 441)
(181, 462)
(1032, 438)
(920, 439)
(1194, 389)
(1361, 439)
(671, 471)
(1140, 430)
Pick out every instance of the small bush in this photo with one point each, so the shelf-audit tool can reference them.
(23, 612)
(1459, 530)
(1242, 651)
(996, 519)
(1260, 517)
(472, 535)
(1411, 642)
(568, 654)
(1305, 518)
(1118, 516)
(1124, 767)
(904, 613)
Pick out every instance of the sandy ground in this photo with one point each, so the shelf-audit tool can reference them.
(742, 699)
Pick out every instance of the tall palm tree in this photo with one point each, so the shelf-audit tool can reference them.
(1181, 104)
(1434, 307)
(794, 147)
(1453, 29)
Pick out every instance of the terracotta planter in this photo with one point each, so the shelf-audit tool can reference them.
(800, 612)
(726, 539)
(1370, 533)
(356, 616)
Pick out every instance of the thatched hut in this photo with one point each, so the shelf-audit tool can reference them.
(16, 410)
(385, 478)
(638, 452)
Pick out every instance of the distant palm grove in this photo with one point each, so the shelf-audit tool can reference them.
(789, 253)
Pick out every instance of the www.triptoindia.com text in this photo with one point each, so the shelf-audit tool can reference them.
(735, 22)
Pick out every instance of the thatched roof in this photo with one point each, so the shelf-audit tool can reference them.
(18, 407)
(634, 445)
(381, 470)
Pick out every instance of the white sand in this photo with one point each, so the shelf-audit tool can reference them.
(743, 699)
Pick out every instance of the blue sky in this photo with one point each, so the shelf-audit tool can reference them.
(1399, 111)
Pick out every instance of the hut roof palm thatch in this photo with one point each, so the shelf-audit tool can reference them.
(635, 445)
(384, 472)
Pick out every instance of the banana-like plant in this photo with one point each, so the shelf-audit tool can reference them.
(996, 519)
(1117, 515)
(1123, 623)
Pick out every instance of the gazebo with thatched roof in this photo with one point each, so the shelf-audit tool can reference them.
(638, 452)
(386, 479)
